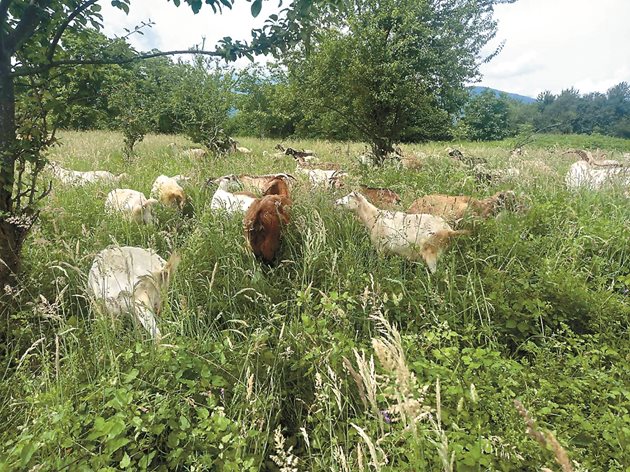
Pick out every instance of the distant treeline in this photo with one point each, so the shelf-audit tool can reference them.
(280, 100)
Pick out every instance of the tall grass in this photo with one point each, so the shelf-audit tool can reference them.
(336, 358)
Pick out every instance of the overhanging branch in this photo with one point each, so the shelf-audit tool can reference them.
(110, 61)
(62, 28)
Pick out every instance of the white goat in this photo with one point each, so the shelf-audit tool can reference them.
(79, 179)
(168, 192)
(228, 201)
(322, 177)
(133, 204)
(195, 153)
(131, 280)
(413, 236)
(594, 177)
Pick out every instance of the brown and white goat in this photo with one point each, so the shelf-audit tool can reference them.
(261, 182)
(380, 196)
(411, 236)
(265, 218)
(132, 204)
(168, 192)
(455, 208)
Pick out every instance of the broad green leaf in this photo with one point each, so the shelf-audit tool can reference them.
(125, 461)
(256, 7)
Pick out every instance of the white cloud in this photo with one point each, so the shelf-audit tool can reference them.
(567, 43)
(549, 44)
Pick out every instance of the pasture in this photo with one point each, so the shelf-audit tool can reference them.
(337, 357)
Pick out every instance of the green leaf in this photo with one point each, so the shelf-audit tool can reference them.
(196, 5)
(125, 461)
(256, 7)
(27, 452)
(131, 375)
(116, 443)
(184, 423)
(172, 440)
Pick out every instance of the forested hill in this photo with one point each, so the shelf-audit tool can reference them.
(515, 96)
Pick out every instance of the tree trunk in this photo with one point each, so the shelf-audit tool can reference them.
(381, 148)
(12, 231)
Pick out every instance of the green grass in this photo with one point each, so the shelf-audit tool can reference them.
(533, 306)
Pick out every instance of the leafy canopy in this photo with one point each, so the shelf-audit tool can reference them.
(395, 70)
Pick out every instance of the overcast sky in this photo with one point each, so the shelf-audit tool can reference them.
(549, 44)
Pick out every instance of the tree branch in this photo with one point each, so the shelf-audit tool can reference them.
(26, 27)
(108, 61)
(55, 41)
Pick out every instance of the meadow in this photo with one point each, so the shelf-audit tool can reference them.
(336, 358)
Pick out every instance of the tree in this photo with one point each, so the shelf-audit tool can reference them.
(265, 105)
(395, 70)
(486, 117)
(202, 103)
(32, 48)
(85, 91)
(619, 107)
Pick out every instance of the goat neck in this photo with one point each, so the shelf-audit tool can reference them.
(367, 212)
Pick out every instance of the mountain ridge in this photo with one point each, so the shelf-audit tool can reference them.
(476, 90)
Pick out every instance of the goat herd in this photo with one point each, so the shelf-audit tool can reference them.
(132, 279)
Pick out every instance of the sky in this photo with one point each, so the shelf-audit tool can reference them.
(549, 44)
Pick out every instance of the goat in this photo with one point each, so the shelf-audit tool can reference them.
(455, 208)
(412, 162)
(588, 157)
(594, 177)
(380, 196)
(265, 218)
(131, 280)
(317, 165)
(322, 177)
(133, 204)
(228, 201)
(305, 155)
(261, 182)
(79, 179)
(243, 150)
(195, 153)
(168, 192)
(413, 236)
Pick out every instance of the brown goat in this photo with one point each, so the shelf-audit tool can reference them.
(380, 196)
(264, 220)
(455, 208)
(277, 186)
